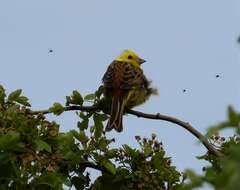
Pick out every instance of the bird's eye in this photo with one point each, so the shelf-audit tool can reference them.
(130, 57)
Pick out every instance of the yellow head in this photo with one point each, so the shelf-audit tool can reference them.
(131, 57)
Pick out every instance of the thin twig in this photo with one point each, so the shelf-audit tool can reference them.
(157, 116)
(69, 108)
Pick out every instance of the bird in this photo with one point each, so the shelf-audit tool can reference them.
(125, 86)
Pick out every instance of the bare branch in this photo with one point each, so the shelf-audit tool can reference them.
(69, 108)
(157, 116)
(183, 124)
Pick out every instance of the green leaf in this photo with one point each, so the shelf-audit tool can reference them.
(68, 100)
(10, 141)
(14, 95)
(102, 117)
(131, 152)
(109, 182)
(217, 128)
(157, 160)
(7, 172)
(23, 100)
(112, 153)
(82, 115)
(147, 149)
(92, 129)
(196, 180)
(98, 125)
(210, 174)
(100, 91)
(83, 137)
(102, 144)
(89, 97)
(42, 145)
(2, 95)
(84, 124)
(57, 109)
(233, 116)
(78, 182)
(77, 98)
(4, 157)
(110, 167)
(49, 178)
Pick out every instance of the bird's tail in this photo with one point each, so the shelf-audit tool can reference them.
(116, 116)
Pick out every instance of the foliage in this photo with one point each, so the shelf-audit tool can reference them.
(224, 172)
(34, 154)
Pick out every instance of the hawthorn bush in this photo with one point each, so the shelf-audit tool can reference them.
(35, 154)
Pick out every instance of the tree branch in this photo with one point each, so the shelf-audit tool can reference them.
(183, 124)
(157, 116)
(69, 108)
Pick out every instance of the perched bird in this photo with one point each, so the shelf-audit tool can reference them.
(125, 86)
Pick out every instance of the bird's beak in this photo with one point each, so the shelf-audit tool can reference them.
(141, 61)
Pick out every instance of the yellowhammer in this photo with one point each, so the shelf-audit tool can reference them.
(126, 86)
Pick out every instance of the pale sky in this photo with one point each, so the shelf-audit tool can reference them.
(186, 44)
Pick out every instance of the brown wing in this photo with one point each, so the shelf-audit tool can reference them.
(122, 75)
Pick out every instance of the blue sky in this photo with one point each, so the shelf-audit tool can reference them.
(186, 43)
